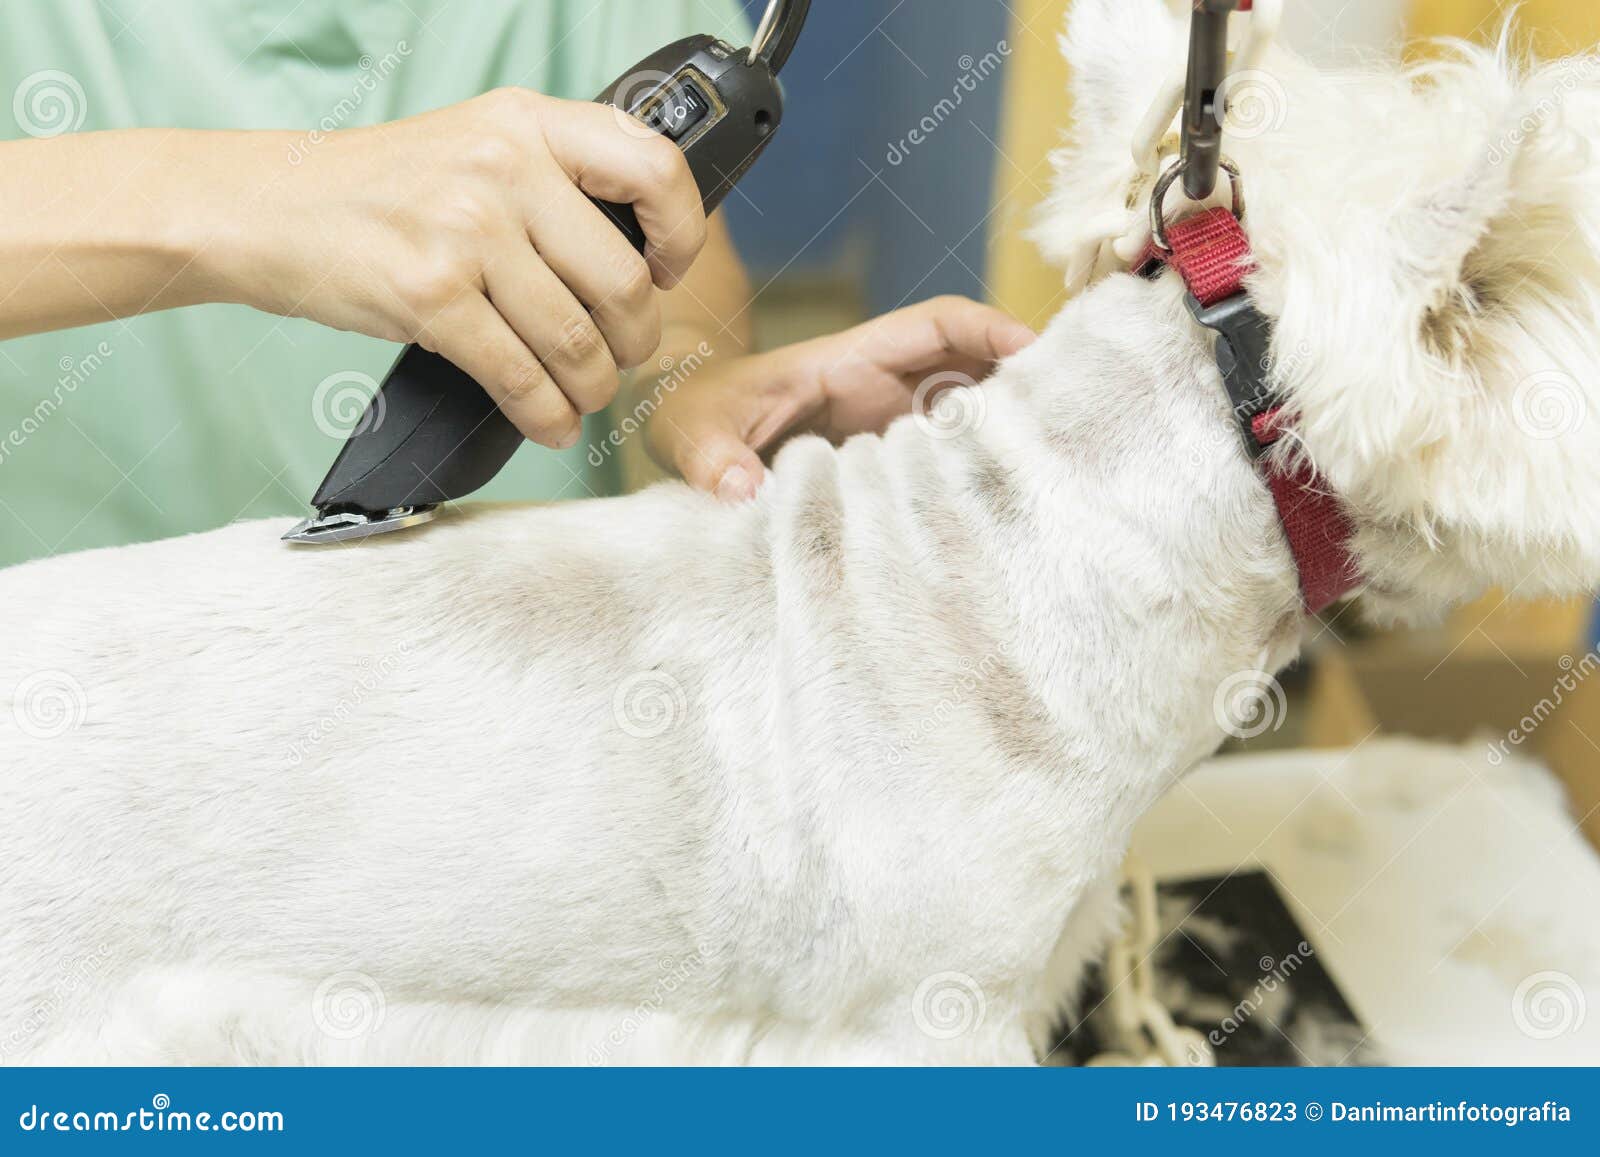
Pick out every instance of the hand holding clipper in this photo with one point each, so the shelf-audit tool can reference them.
(433, 433)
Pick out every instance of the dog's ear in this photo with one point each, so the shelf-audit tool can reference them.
(1120, 55)
(1439, 318)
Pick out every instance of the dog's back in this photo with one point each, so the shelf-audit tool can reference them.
(526, 755)
(219, 748)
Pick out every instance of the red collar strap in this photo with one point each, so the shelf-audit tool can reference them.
(1212, 254)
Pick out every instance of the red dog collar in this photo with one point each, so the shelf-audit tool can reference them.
(1212, 254)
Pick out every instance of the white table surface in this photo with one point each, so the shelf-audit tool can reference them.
(1456, 903)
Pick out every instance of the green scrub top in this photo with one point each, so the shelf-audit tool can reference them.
(190, 419)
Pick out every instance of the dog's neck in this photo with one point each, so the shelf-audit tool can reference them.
(1101, 527)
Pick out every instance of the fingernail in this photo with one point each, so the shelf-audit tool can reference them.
(570, 439)
(736, 485)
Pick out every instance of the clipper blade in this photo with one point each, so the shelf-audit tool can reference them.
(352, 526)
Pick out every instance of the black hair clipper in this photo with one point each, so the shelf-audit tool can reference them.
(431, 434)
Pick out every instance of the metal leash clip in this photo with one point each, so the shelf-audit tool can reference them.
(1199, 101)
(1205, 96)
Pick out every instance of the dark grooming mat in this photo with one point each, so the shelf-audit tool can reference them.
(1234, 965)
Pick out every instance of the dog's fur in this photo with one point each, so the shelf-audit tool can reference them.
(844, 774)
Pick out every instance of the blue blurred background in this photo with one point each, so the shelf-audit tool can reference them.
(829, 205)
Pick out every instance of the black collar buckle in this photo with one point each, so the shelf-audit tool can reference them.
(1244, 356)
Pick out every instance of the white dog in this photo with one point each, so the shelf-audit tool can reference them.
(844, 774)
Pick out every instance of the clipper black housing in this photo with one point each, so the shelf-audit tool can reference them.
(431, 434)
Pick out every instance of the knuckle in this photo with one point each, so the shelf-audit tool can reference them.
(690, 234)
(640, 339)
(430, 339)
(512, 102)
(468, 218)
(524, 380)
(581, 347)
(633, 332)
(664, 163)
(493, 154)
(634, 285)
(429, 286)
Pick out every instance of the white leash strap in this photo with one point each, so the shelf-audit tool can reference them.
(1141, 1028)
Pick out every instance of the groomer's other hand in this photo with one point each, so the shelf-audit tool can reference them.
(714, 428)
(469, 230)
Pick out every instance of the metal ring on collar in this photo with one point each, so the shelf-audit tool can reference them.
(1158, 198)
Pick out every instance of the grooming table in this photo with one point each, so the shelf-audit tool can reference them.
(1454, 903)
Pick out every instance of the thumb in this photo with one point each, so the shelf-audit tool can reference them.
(719, 463)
